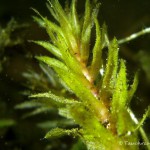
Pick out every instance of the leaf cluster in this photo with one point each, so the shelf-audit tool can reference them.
(99, 102)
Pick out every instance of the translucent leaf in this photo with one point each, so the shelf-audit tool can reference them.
(52, 77)
(124, 122)
(37, 111)
(133, 88)
(6, 123)
(38, 103)
(147, 114)
(86, 32)
(97, 52)
(111, 66)
(50, 47)
(75, 20)
(50, 26)
(120, 101)
(87, 15)
(53, 62)
(52, 10)
(57, 132)
(104, 36)
(71, 61)
(55, 123)
(65, 25)
(120, 97)
(28, 105)
(55, 98)
(65, 112)
(60, 13)
(79, 87)
(39, 21)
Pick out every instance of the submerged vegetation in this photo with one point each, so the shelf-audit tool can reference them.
(87, 90)
(99, 102)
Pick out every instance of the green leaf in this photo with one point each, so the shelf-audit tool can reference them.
(52, 77)
(37, 111)
(120, 96)
(27, 105)
(111, 66)
(52, 27)
(55, 123)
(53, 62)
(104, 36)
(75, 20)
(86, 32)
(147, 114)
(39, 21)
(124, 123)
(79, 145)
(120, 101)
(79, 87)
(6, 123)
(60, 13)
(52, 10)
(65, 112)
(50, 47)
(54, 97)
(58, 132)
(97, 52)
(65, 25)
(133, 88)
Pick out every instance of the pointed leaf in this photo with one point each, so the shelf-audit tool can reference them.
(27, 105)
(65, 25)
(55, 123)
(86, 32)
(75, 20)
(104, 36)
(50, 47)
(111, 66)
(54, 97)
(60, 13)
(53, 62)
(39, 21)
(97, 52)
(65, 112)
(52, 10)
(57, 132)
(124, 122)
(133, 88)
(37, 111)
(147, 114)
(6, 122)
(120, 97)
(79, 87)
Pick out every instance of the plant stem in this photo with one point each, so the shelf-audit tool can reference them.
(143, 134)
(134, 36)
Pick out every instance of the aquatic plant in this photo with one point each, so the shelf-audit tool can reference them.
(95, 94)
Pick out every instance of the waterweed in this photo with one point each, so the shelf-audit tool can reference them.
(99, 103)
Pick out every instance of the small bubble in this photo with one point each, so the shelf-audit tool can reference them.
(129, 133)
(101, 71)
(104, 87)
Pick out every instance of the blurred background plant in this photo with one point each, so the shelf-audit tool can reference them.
(21, 75)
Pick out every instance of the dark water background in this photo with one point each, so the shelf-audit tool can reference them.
(123, 17)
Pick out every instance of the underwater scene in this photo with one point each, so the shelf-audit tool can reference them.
(74, 75)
